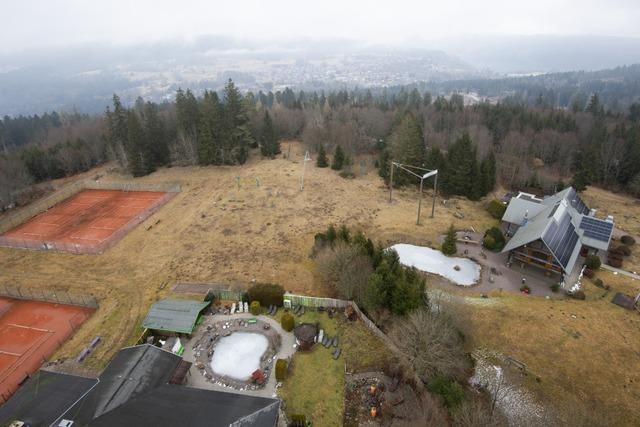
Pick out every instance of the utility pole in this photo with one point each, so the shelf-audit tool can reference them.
(420, 201)
(304, 167)
(435, 189)
(391, 182)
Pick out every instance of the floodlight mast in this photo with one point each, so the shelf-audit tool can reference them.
(304, 167)
(429, 173)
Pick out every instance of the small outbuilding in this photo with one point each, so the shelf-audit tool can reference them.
(305, 335)
(174, 316)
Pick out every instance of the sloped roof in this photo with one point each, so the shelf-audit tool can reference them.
(134, 391)
(174, 315)
(197, 407)
(558, 224)
(46, 395)
(134, 371)
(519, 209)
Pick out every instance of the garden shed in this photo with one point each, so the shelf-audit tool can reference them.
(305, 335)
(174, 316)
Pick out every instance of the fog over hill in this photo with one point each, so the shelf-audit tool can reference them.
(83, 77)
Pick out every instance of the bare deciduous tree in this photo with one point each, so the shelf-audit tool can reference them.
(344, 267)
(432, 344)
(476, 412)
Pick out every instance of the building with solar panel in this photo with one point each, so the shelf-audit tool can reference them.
(554, 233)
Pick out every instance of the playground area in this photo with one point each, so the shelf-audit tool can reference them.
(89, 221)
(30, 332)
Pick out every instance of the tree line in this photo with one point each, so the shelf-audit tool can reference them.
(516, 144)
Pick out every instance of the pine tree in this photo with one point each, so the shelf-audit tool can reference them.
(155, 135)
(461, 169)
(488, 173)
(322, 161)
(210, 130)
(139, 162)
(269, 143)
(449, 245)
(236, 132)
(407, 146)
(118, 131)
(338, 159)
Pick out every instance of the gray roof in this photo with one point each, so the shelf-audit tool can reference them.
(519, 209)
(46, 395)
(134, 371)
(197, 407)
(557, 223)
(174, 315)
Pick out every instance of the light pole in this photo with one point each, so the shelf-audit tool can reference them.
(428, 173)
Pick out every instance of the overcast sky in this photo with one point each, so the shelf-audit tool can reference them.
(43, 23)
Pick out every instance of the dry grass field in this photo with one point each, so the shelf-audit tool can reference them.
(216, 232)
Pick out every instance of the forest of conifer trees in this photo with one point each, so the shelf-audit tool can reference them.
(474, 146)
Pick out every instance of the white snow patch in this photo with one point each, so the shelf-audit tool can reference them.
(432, 261)
(238, 355)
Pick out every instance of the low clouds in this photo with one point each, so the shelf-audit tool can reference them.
(32, 23)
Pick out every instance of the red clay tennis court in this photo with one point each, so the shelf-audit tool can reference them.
(88, 222)
(30, 332)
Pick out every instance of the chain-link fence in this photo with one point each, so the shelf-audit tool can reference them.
(50, 295)
(12, 221)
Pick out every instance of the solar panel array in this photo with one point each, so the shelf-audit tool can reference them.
(561, 238)
(596, 228)
(577, 203)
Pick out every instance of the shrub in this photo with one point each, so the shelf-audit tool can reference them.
(592, 262)
(598, 283)
(615, 262)
(555, 287)
(489, 242)
(628, 240)
(298, 420)
(617, 251)
(322, 161)
(496, 209)
(267, 294)
(624, 250)
(254, 308)
(449, 245)
(281, 369)
(451, 391)
(493, 239)
(287, 322)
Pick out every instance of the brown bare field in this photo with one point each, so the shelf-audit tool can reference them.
(215, 232)
(625, 209)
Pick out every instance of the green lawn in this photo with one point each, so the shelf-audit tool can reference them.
(315, 386)
(362, 350)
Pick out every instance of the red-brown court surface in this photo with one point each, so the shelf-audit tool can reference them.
(30, 332)
(88, 218)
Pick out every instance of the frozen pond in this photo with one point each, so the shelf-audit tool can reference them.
(432, 261)
(238, 355)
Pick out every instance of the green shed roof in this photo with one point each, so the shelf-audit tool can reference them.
(174, 315)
